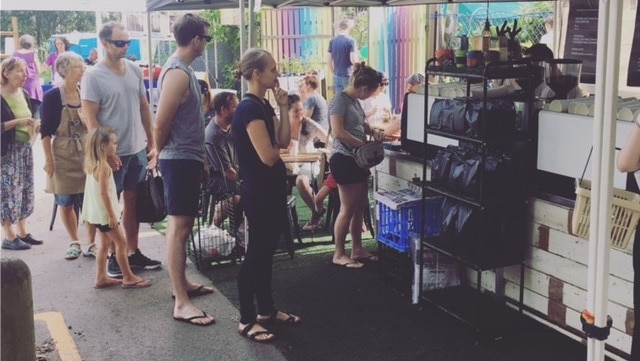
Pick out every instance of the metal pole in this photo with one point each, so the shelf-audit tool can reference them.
(243, 85)
(151, 65)
(17, 330)
(607, 71)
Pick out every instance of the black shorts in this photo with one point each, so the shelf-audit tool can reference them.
(181, 178)
(346, 171)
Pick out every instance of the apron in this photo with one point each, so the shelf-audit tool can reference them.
(68, 152)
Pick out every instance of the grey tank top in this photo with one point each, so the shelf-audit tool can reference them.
(186, 138)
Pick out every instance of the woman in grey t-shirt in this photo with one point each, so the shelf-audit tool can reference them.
(349, 129)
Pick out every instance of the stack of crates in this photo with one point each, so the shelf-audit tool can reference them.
(397, 230)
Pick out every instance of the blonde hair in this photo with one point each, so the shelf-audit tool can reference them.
(8, 65)
(95, 150)
(253, 59)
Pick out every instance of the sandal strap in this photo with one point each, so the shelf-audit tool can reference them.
(247, 328)
(75, 243)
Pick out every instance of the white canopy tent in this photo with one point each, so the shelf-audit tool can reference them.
(608, 54)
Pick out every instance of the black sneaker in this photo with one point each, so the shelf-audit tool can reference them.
(15, 245)
(138, 260)
(29, 239)
(113, 270)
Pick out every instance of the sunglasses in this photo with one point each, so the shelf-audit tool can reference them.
(385, 84)
(119, 43)
(206, 38)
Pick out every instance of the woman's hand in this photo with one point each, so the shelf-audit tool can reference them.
(49, 167)
(281, 95)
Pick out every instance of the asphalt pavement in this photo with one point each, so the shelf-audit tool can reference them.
(74, 321)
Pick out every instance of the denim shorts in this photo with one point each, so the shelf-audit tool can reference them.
(132, 171)
(346, 171)
(68, 200)
(182, 179)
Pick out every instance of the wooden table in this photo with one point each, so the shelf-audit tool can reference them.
(301, 157)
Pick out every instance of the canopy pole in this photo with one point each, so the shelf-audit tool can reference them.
(243, 47)
(607, 72)
(151, 66)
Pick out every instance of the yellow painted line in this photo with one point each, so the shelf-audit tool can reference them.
(60, 334)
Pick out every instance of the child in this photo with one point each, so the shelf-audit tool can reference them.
(100, 208)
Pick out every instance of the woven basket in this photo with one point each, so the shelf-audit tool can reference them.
(625, 214)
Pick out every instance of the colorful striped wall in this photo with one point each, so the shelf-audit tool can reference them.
(298, 33)
(397, 45)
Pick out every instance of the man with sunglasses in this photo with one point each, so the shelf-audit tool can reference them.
(113, 94)
(180, 143)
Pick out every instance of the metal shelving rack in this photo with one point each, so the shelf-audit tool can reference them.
(479, 310)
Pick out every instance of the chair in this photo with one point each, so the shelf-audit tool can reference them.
(294, 227)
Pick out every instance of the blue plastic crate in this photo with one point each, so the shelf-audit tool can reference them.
(395, 226)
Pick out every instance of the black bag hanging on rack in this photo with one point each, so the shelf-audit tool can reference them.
(151, 205)
(499, 115)
(449, 115)
(449, 216)
(441, 165)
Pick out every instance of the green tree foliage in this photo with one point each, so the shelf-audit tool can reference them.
(42, 24)
(534, 15)
(225, 35)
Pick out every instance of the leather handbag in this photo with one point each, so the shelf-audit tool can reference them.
(369, 154)
(151, 205)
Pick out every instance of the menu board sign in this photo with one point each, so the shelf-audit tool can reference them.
(582, 37)
(633, 78)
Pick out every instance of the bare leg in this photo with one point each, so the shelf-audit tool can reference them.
(119, 242)
(70, 221)
(178, 230)
(320, 196)
(9, 234)
(350, 206)
(102, 280)
(22, 227)
(355, 227)
(306, 192)
(130, 221)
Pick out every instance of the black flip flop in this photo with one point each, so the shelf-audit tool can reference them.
(190, 320)
(254, 336)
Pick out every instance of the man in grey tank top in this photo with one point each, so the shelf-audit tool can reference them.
(180, 143)
(113, 94)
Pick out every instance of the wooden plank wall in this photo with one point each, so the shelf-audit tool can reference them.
(556, 265)
(298, 33)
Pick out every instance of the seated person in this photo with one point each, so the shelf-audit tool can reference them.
(414, 81)
(207, 101)
(377, 108)
(303, 132)
(315, 105)
(391, 132)
(222, 160)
